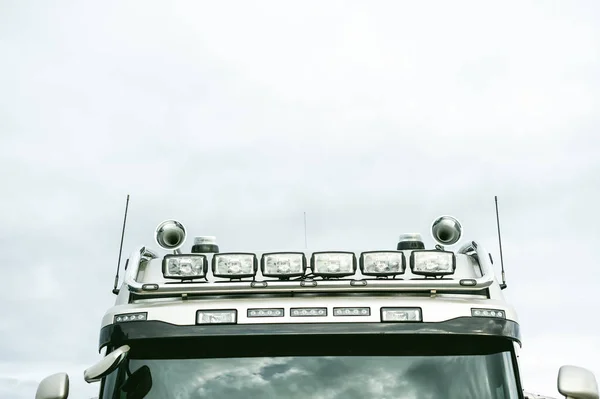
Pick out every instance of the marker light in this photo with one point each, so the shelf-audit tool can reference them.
(304, 312)
(388, 263)
(401, 314)
(351, 311)
(333, 264)
(184, 266)
(283, 265)
(131, 317)
(216, 316)
(488, 313)
(432, 263)
(265, 312)
(238, 265)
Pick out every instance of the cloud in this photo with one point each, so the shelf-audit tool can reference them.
(543, 356)
(19, 380)
(236, 118)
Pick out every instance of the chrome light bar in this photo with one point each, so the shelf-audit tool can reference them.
(142, 255)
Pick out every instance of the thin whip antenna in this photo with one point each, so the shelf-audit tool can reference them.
(115, 289)
(503, 285)
(305, 236)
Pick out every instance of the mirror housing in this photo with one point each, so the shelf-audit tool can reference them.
(55, 386)
(139, 383)
(107, 365)
(577, 383)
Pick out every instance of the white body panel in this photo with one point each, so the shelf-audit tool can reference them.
(183, 312)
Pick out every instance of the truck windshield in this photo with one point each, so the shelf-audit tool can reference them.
(324, 367)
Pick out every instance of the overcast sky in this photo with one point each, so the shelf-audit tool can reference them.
(373, 117)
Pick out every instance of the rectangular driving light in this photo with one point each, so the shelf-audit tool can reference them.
(120, 318)
(283, 265)
(234, 265)
(432, 263)
(401, 314)
(382, 263)
(351, 311)
(265, 312)
(488, 313)
(226, 316)
(184, 266)
(333, 264)
(308, 312)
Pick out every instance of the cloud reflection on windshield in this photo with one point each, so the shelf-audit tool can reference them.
(330, 378)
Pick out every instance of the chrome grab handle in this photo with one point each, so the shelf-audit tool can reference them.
(137, 256)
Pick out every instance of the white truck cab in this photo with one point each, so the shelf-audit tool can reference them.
(405, 322)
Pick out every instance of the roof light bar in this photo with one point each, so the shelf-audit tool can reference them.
(184, 266)
(333, 264)
(401, 314)
(141, 255)
(150, 287)
(432, 263)
(225, 316)
(382, 263)
(131, 317)
(278, 312)
(234, 265)
(488, 313)
(308, 312)
(351, 311)
(283, 264)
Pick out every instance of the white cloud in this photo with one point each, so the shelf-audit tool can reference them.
(19, 380)
(237, 117)
(545, 353)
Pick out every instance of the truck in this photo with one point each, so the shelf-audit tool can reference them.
(404, 322)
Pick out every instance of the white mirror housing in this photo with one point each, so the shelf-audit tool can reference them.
(55, 386)
(107, 365)
(577, 383)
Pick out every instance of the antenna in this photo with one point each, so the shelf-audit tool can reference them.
(305, 236)
(115, 289)
(503, 285)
